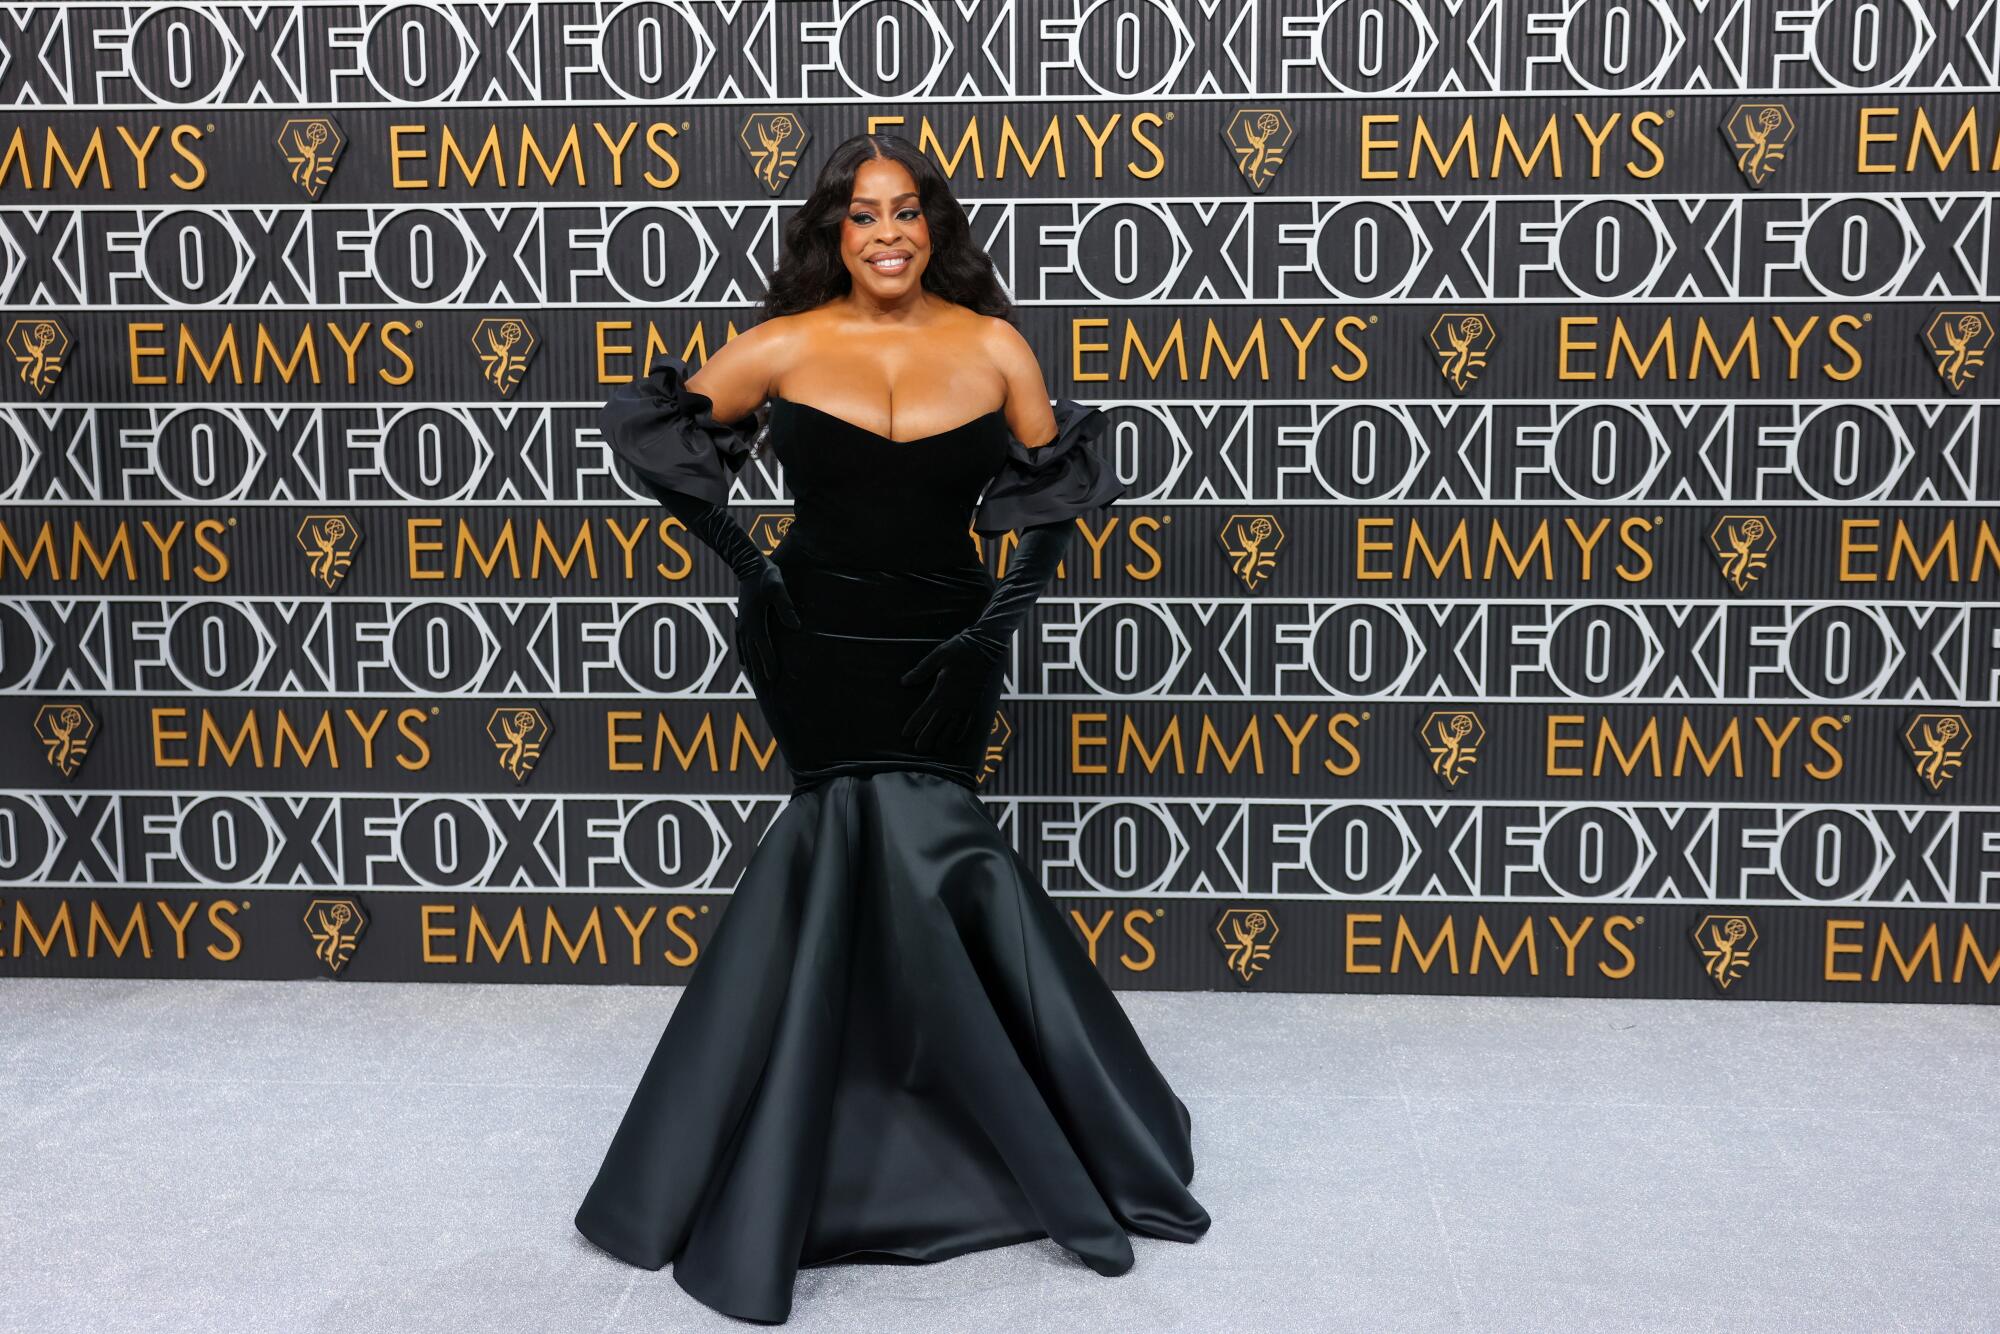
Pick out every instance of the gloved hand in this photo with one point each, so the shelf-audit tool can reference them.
(759, 600)
(761, 595)
(960, 668)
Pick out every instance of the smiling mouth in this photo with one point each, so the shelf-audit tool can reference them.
(890, 264)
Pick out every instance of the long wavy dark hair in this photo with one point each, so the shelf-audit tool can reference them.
(811, 273)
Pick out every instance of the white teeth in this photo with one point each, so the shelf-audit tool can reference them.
(896, 265)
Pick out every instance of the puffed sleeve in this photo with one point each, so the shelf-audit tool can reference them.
(670, 435)
(1059, 480)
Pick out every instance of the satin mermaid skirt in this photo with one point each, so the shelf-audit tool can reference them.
(893, 1047)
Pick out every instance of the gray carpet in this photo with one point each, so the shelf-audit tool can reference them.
(240, 1156)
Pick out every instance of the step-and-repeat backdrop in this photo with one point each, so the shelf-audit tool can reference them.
(1560, 553)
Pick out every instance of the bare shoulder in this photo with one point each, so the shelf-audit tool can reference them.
(738, 375)
(1027, 409)
(1011, 353)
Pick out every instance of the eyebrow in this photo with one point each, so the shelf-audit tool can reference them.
(870, 199)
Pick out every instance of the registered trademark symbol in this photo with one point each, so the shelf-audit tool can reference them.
(1170, 115)
(1364, 715)
(1640, 920)
(419, 324)
(434, 711)
(1670, 113)
(232, 521)
(1159, 912)
(1659, 518)
(211, 127)
(704, 907)
(1867, 315)
(1846, 718)
(245, 905)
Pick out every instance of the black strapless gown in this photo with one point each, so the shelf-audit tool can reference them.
(893, 1048)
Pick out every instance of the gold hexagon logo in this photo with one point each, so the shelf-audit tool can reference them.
(1724, 941)
(1759, 133)
(773, 141)
(41, 349)
(1246, 936)
(1938, 743)
(997, 737)
(1453, 738)
(1743, 543)
(335, 926)
(329, 541)
(66, 731)
(1958, 340)
(519, 732)
(768, 530)
(505, 344)
(1463, 343)
(1258, 139)
(1252, 541)
(311, 146)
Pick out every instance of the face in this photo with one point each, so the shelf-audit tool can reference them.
(885, 222)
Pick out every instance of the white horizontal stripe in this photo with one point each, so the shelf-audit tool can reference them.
(1372, 801)
(1566, 503)
(636, 697)
(1218, 898)
(284, 204)
(445, 595)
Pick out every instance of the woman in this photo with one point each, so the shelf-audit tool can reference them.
(894, 1048)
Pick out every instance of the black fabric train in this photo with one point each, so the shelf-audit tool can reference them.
(893, 1047)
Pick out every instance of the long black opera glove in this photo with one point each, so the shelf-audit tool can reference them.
(963, 664)
(760, 586)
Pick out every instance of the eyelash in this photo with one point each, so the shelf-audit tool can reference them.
(856, 218)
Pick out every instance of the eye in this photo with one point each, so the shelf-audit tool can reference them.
(861, 219)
